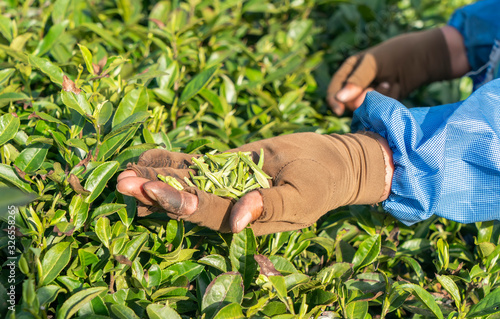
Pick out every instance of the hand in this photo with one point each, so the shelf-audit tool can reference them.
(312, 174)
(394, 68)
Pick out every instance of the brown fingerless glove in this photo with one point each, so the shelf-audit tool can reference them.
(312, 174)
(405, 62)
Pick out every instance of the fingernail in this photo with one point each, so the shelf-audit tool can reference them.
(342, 96)
(122, 189)
(151, 193)
(243, 222)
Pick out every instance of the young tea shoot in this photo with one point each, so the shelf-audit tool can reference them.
(171, 181)
(226, 174)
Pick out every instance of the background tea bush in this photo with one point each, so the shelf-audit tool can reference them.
(194, 76)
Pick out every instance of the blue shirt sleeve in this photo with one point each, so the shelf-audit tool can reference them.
(446, 158)
(479, 24)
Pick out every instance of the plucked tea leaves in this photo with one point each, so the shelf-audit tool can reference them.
(227, 174)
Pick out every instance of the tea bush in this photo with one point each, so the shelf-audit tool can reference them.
(87, 86)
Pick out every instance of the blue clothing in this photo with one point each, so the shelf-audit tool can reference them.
(447, 158)
(479, 24)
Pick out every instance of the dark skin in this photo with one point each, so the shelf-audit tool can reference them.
(246, 210)
(151, 193)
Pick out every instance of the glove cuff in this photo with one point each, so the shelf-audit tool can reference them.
(368, 177)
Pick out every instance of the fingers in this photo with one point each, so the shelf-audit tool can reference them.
(365, 71)
(214, 212)
(172, 200)
(156, 193)
(132, 186)
(348, 86)
(126, 173)
(337, 82)
(351, 96)
(246, 210)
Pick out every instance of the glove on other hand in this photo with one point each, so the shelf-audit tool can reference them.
(404, 62)
(312, 174)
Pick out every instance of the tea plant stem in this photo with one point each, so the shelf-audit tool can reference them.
(112, 282)
(173, 111)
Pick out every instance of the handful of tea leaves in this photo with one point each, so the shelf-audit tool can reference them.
(226, 174)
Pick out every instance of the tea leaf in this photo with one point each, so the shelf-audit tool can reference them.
(13, 196)
(152, 277)
(231, 311)
(280, 286)
(488, 305)
(32, 157)
(195, 145)
(59, 10)
(77, 143)
(158, 311)
(5, 74)
(8, 174)
(415, 266)
(187, 268)
(48, 118)
(451, 287)
(99, 178)
(50, 69)
(77, 300)
(424, 297)
(87, 258)
(9, 97)
(105, 34)
(47, 294)
(134, 101)
(243, 247)
(367, 252)
(123, 312)
(172, 181)
(225, 289)
(134, 247)
(115, 140)
(77, 102)
(215, 260)
(294, 280)
(6, 27)
(50, 38)
(87, 57)
(9, 125)
(104, 113)
(357, 309)
(337, 270)
(54, 261)
(197, 83)
(103, 230)
(443, 253)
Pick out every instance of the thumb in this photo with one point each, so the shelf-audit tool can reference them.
(246, 210)
(349, 93)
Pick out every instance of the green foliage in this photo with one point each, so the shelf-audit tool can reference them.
(86, 87)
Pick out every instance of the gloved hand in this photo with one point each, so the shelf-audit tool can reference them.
(394, 68)
(312, 174)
